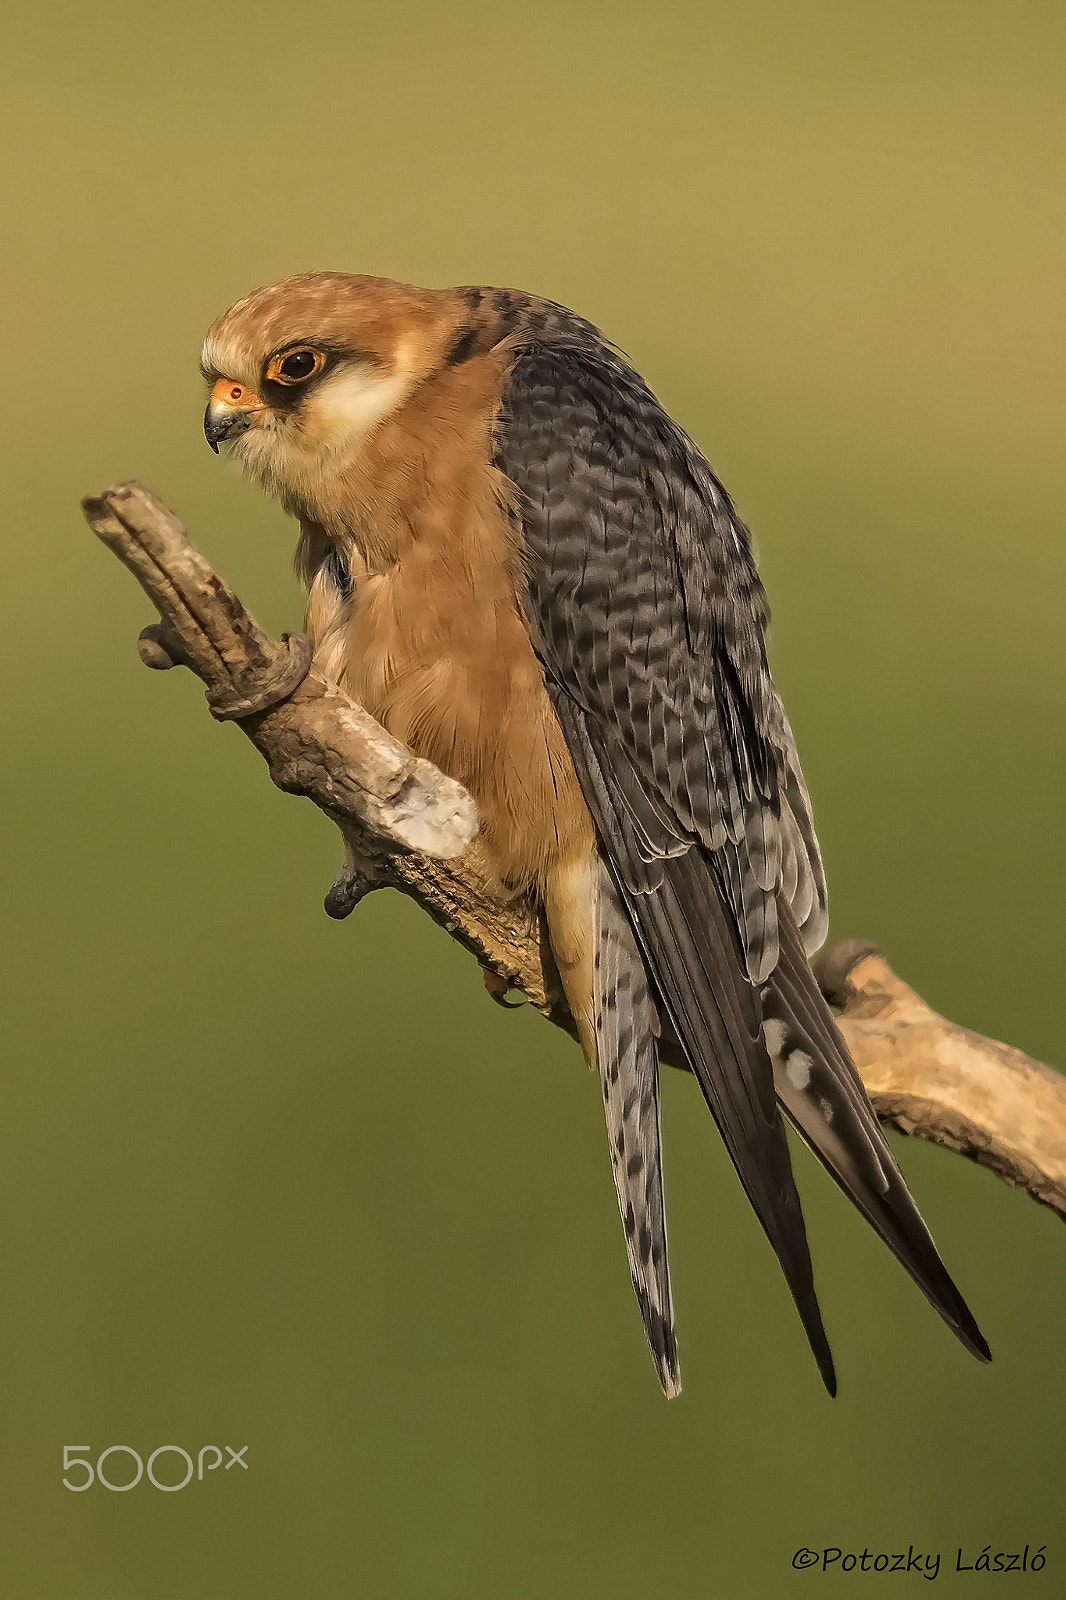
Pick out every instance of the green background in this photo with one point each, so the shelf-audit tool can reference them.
(267, 1180)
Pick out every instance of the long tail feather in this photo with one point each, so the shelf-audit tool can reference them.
(692, 949)
(627, 1051)
(824, 1097)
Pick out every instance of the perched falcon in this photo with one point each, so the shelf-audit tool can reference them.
(531, 576)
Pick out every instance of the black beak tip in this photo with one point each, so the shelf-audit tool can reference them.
(223, 426)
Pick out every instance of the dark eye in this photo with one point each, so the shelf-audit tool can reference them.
(297, 365)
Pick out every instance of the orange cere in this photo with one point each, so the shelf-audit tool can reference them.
(235, 396)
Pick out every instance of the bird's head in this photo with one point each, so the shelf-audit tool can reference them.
(303, 371)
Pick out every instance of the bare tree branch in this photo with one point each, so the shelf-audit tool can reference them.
(931, 1078)
(405, 825)
(408, 826)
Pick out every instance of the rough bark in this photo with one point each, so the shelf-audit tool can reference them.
(931, 1078)
(408, 826)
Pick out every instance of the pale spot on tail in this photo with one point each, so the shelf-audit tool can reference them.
(773, 1031)
(798, 1069)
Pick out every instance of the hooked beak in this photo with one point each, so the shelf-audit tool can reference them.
(231, 409)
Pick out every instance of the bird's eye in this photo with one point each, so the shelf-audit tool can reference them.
(296, 366)
(299, 365)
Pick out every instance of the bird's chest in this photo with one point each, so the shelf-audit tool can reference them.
(438, 653)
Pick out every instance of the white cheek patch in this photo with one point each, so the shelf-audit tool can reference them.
(290, 454)
(343, 409)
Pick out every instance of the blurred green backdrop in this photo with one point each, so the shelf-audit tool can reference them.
(272, 1181)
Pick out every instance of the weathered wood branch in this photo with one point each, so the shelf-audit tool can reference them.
(929, 1077)
(405, 825)
(408, 826)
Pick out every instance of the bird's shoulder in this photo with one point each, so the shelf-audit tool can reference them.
(629, 532)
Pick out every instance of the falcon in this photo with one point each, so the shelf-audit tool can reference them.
(523, 568)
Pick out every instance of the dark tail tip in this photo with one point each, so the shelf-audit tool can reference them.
(974, 1340)
(813, 1326)
(828, 1371)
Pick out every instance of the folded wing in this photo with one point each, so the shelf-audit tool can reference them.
(649, 620)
